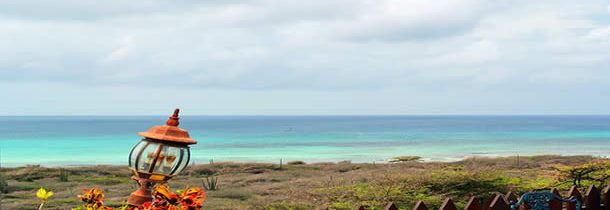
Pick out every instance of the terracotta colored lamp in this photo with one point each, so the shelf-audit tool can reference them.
(163, 153)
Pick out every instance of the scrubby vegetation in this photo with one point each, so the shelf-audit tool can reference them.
(3, 184)
(296, 162)
(404, 159)
(342, 185)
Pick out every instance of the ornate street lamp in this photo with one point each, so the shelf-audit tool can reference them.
(162, 154)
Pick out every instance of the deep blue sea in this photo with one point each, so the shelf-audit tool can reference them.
(86, 140)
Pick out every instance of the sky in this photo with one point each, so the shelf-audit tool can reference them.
(323, 57)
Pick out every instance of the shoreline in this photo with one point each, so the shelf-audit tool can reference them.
(286, 161)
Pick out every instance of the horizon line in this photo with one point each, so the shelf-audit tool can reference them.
(303, 115)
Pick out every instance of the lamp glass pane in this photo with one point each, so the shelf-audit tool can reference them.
(134, 153)
(185, 159)
(168, 160)
(147, 157)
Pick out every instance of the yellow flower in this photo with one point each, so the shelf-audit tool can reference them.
(43, 194)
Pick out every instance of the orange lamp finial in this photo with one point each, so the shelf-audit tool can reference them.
(173, 120)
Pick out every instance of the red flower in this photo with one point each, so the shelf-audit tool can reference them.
(94, 199)
(190, 199)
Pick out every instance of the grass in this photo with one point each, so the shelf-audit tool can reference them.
(343, 185)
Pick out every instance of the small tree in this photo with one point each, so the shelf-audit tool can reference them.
(597, 171)
(602, 175)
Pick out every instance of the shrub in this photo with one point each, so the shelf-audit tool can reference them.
(296, 162)
(404, 159)
(346, 168)
(204, 172)
(3, 184)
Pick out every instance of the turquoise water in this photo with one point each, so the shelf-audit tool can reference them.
(54, 141)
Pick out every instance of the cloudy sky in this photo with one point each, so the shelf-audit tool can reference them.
(145, 57)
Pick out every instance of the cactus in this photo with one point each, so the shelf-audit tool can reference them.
(210, 183)
(63, 175)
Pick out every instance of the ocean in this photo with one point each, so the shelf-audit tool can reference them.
(91, 140)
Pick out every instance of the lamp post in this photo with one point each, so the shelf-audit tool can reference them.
(160, 155)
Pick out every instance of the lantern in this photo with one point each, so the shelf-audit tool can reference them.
(162, 154)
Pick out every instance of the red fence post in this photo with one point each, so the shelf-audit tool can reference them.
(606, 192)
(555, 204)
(592, 197)
(390, 206)
(448, 205)
(420, 206)
(498, 203)
(487, 203)
(511, 197)
(473, 204)
(573, 193)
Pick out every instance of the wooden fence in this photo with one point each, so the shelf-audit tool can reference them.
(594, 199)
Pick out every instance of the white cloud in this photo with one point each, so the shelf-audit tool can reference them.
(563, 76)
(126, 47)
(316, 45)
(600, 34)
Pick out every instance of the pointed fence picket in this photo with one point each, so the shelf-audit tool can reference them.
(448, 205)
(606, 197)
(511, 196)
(573, 193)
(473, 204)
(390, 206)
(594, 199)
(556, 204)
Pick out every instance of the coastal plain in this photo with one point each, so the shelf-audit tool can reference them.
(299, 185)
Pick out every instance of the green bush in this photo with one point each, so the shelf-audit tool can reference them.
(3, 184)
(296, 162)
(204, 172)
(404, 159)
